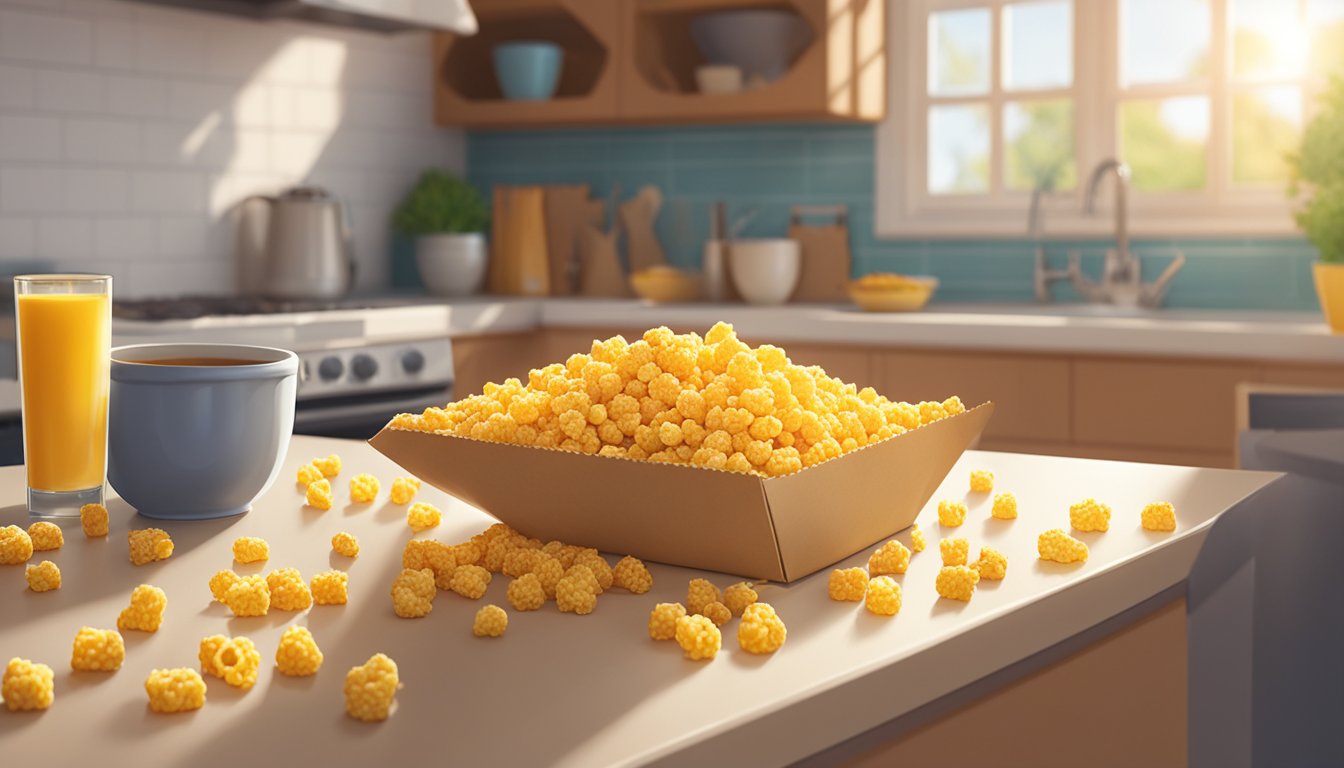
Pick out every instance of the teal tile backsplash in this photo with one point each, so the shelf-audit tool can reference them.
(771, 168)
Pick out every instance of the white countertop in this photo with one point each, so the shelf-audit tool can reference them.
(564, 689)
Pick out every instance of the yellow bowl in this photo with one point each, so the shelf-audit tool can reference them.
(908, 297)
(665, 285)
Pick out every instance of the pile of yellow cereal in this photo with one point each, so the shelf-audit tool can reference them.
(678, 398)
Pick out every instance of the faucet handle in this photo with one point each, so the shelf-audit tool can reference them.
(1152, 293)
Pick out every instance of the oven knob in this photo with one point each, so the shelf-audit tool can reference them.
(330, 368)
(363, 367)
(413, 361)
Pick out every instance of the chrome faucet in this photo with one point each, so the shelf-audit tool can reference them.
(1044, 276)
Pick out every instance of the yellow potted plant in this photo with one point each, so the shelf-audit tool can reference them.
(1318, 169)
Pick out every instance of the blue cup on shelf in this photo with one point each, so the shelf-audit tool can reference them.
(528, 70)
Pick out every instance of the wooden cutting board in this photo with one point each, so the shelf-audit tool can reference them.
(569, 212)
(519, 257)
(825, 253)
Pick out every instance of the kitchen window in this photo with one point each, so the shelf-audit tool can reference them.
(1202, 98)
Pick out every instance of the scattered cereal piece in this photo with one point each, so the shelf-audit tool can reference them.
(175, 690)
(319, 495)
(632, 575)
(404, 489)
(470, 581)
(957, 582)
(97, 650)
(329, 467)
(289, 592)
(27, 685)
(434, 555)
(15, 545)
(883, 597)
(1089, 515)
(889, 558)
(1060, 547)
(585, 576)
(250, 549)
(249, 596)
(371, 688)
(206, 654)
(699, 637)
(345, 544)
(992, 564)
(43, 577)
(761, 630)
(1159, 516)
(600, 567)
(917, 542)
(220, 583)
(718, 613)
(574, 594)
(982, 481)
(423, 516)
(93, 519)
(738, 596)
(330, 588)
(298, 654)
(847, 584)
(491, 621)
(663, 620)
(951, 513)
(700, 593)
(239, 662)
(308, 474)
(145, 613)
(525, 593)
(363, 488)
(954, 551)
(413, 593)
(1005, 506)
(148, 545)
(46, 536)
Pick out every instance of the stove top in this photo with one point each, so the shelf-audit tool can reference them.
(192, 307)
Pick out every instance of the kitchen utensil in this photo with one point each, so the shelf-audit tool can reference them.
(528, 70)
(718, 78)
(638, 215)
(306, 253)
(714, 280)
(765, 270)
(451, 263)
(190, 442)
(568, 210)
(519, 258)
(741, 222)
(601, 273)
(906, 295)
(762, 42)
(666, 285)
(825, 252)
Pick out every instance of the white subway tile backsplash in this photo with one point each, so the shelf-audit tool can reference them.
(31, 190)
(96, 190)
(150, 279)
(46, 38)
(288, 63)
(198, 100)
(327, 61)
(320, 109)
(144, 97)
(168, 191)
(109, 141)
(125, 239)
(18, 238)
(170, 49)
(24, 137)
(114, 44)
(295, 153)
(60, 90)
(65, 238)
(181, 236)
(18, 86)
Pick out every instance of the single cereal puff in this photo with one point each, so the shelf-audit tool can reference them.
(93, 519)
(738, 596)
(1005, 506)
(470, 581)
(210, 646)
(148, 545)
(699, 637)
(345, 544)
(413, 593)
(404, 489)
(491, 621)
(883, 597)
(1060, 547)
(27, 685)
(525, 593)
(954, 551)
(331, 588)
(632, 575)
(992, 565)
(1090, 515)
(175, 690)
(250, 549)
(700, 593)
(298, 654)
(982, 481)
(434, 555)
(917, 542)
(663, 620)
(43, 577)
(363, 488)
(308, 474)
(761, 629)
(718, 613)
(289, 592)
(889, 558)
(600, 567)
(15, 545)
(46, 536)
(145, 613)
(585, 575)
(220, 583)
(1158, 516)
(238, 662)
(575, 594)
(97, 650)
(422, 516)
(951, 513)
(371, 688)
(330, 466)
(249, 596)
(319, 495)
(847, 584)
(956, 582)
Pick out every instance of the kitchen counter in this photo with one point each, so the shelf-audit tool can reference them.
(582, 690)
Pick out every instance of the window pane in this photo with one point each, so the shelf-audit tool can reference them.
(959, 149)
(1038, 145)
(1037, 45)
(1163, 142)
(1325, 26)
(1267, 38)
(959, 52)
(1165, 41)
(1266, 125)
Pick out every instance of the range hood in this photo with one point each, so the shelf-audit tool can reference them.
(378, 15)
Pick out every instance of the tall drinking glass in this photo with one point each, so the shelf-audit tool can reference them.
(65, 344)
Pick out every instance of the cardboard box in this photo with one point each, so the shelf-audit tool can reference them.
(778, 528)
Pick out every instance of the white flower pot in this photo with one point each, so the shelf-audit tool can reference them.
(452, 264)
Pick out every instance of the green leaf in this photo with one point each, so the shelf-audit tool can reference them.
(441, 202)
(1318, 167)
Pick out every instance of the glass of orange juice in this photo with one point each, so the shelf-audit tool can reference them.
(65, 344)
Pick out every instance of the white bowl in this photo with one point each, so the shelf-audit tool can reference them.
(765, 270)
(762, 42)
(718, 78)
(451, 264)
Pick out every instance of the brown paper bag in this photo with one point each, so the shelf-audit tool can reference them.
(825, 252)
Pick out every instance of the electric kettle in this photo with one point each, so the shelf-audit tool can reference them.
(295, 245)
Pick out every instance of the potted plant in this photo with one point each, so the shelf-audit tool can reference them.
(1318, 166)
(447, 218)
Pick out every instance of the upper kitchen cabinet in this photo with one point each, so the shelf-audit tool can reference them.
(636, 61)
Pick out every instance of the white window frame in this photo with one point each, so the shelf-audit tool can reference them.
(904, 208)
